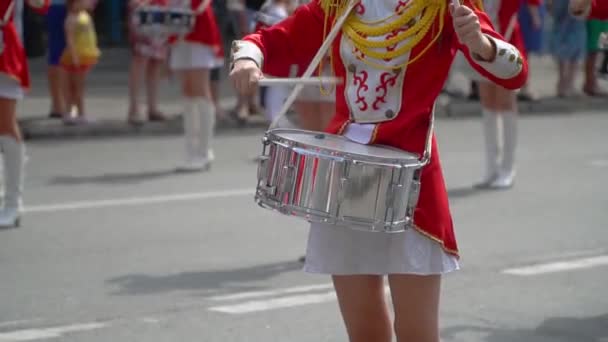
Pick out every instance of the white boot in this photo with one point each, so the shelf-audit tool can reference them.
(506, 174)
(194, 161)
(490, 131)
(14, 156)
(206, 111)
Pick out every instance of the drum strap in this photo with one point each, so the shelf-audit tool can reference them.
(314, 63)
(7, 14)
(428, 147)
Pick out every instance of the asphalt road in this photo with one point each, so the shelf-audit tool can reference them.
(115, 247)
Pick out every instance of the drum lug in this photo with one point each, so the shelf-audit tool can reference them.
(288, 180)
(412, 202)
(262, 168)
(342, 190)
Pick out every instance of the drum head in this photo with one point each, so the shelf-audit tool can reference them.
(342, 147)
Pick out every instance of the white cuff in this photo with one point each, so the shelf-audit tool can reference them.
(508, 62)
(246, 50)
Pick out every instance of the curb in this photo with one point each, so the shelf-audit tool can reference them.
(48, 129)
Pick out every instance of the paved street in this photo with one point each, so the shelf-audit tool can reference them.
(115, 247)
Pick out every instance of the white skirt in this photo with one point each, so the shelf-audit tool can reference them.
(188, 55)
(343, 251)
(10, 88)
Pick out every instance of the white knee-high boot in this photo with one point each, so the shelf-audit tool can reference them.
(14, 169)
(194, 160)
(206, 111)
(490, 132)
(509, 136)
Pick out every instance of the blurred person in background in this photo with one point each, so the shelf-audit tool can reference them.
(148, 56)
(273, 12)
(55, 20)
(532, 22)
(315, 105)
(14, 82)
(79, 57)
(604, 65)
(567, 44)
(596, 9)
(247, 105)
(193, 55)
(595, 28)
(500, 103)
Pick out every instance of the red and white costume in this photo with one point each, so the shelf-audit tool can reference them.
(598, 10)
(155, 46)
(13, 60)
(503, 14)
(202, 47)
(377, 106)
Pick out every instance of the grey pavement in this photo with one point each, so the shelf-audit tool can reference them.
(107, 101)
(116, 247)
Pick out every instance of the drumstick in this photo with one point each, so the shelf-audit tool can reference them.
(264, 82)
(315, 62)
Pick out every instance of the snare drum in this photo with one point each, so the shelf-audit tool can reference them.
(161, 20)
(150, 20)
(329, 179)
(180, 21)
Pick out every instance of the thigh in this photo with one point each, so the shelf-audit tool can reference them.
(506, 100)
(416, 304)
(8, 121)
(197, 82)
(487, 95)
(363, 307)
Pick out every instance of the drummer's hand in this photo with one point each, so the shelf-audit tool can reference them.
(579, 7)
(245, 76)
(468, 31)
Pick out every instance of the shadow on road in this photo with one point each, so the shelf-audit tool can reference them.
(560, 329)
(464, 192)
(113, 178)
(211, 281)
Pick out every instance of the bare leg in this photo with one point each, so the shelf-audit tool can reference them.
(138, 63)
(153, 71)
(363, 306)
(57, 79)
(416, 302)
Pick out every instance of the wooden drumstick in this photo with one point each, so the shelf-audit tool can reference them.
(311, 81)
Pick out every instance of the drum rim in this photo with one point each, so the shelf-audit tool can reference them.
(412, 161)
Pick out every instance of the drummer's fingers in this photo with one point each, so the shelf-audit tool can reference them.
(238, 80)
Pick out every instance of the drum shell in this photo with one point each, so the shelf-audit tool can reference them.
(337, 189)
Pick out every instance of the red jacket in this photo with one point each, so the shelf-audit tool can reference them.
(507, 23)
(599, 9)
(398, 104)
(206, 30)
(13, 60)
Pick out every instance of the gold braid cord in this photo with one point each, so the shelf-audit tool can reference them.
(407, 27)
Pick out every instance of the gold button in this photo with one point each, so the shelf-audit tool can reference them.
(520, 61)
(512, 58)
(352, 68)
(502, 52)
(397, 71)
(389, 114)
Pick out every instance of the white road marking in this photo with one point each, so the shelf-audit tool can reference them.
(45, 333)
(275, 303)
(278, 300)
(18, 322)
(559, 266)
(270, 293)
(600, 162)
(130, 201)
